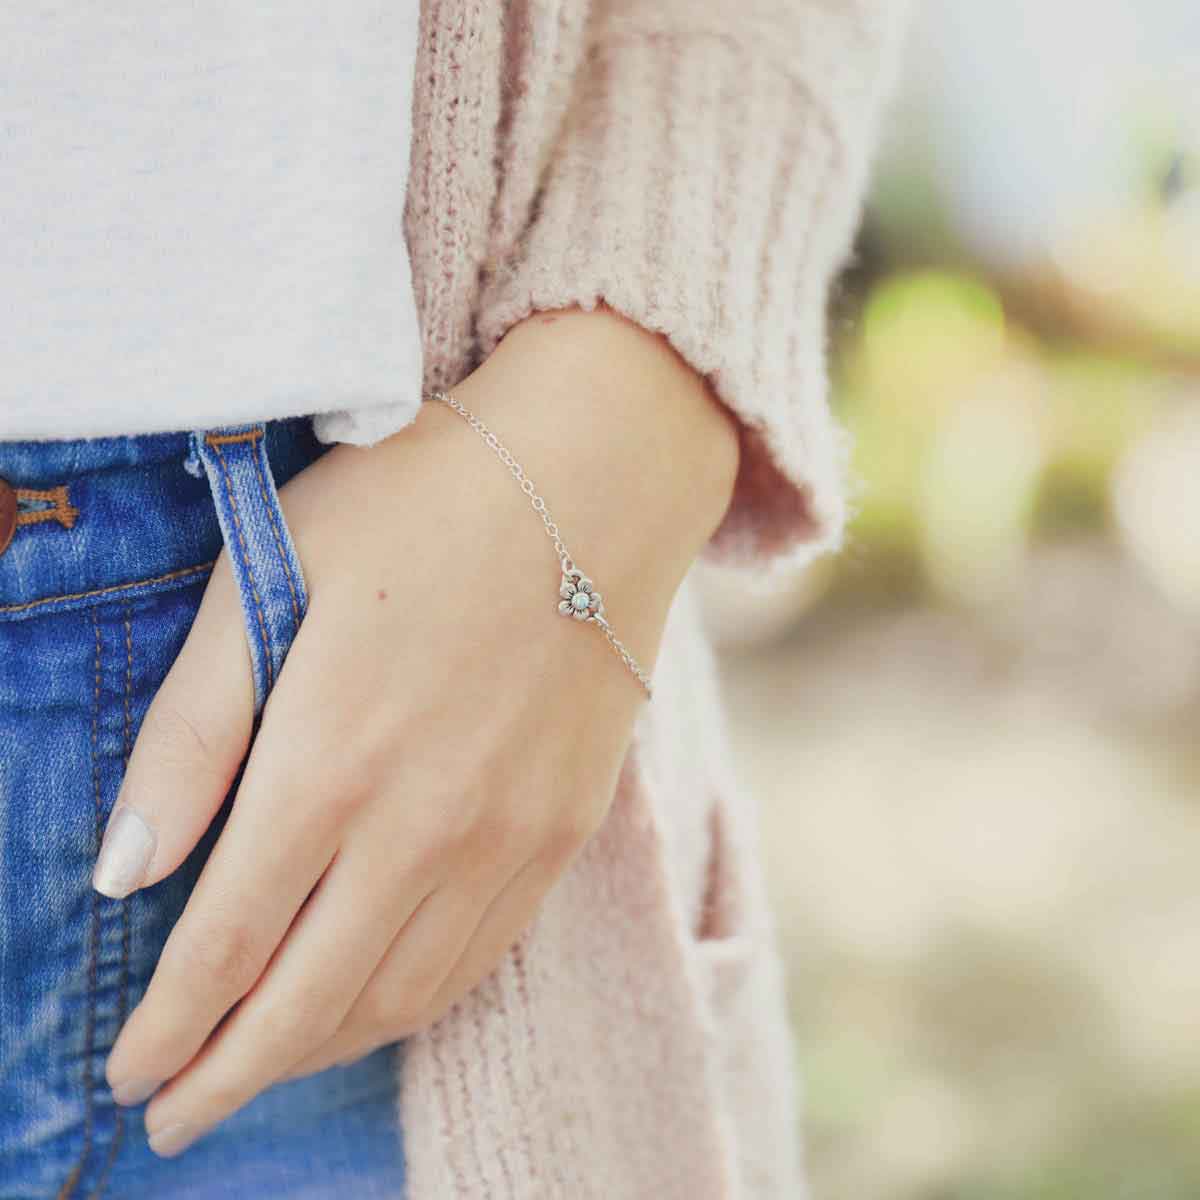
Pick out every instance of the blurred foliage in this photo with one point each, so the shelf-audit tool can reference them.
(988, 442)
(978, 748)
(973, 436)
(1147, 1148)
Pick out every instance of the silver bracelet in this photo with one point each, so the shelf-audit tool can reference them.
(578, 597)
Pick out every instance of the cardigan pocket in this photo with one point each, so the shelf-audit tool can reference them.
(743, 1009)
(724, 944)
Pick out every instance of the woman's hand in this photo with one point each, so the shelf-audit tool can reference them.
(440, 742)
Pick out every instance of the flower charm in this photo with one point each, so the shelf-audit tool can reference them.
(579, 599)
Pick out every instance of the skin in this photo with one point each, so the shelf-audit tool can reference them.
(440, 743)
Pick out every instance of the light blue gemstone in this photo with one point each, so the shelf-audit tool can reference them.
(580, 600)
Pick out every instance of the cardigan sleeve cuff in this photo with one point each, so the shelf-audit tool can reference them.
(699, 189)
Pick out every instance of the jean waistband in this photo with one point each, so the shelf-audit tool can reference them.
(117, 517)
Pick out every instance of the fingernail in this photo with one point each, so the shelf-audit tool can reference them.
(134, 1091)
(171, 1139)
(125, 854)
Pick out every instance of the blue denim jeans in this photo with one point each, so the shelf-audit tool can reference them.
(98, 589)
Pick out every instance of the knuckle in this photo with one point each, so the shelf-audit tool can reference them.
(220, 1099)
(336, 782)
(154, 1039)
(410, 1018)
(181, 739)
(508, 829)
(227, 1096)
(368, 1044)
(569, 833)
(392, 1014)
(412, 1013)
(334, 775)
(286, 1022)
(449, 839)
(296, 1022)
(222, 957)
(376, 1013)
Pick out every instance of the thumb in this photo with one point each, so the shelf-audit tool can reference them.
(187, 753)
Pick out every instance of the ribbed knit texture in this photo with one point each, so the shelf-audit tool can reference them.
(697, 165)
(705, 182)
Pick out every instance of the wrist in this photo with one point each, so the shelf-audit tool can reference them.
(615, 406)
(634, 457)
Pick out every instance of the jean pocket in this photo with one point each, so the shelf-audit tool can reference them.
(262, 554)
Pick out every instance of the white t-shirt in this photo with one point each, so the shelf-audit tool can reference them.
(201, 214)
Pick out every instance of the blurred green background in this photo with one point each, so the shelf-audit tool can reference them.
(975, 734)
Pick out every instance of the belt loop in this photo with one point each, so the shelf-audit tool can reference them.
(265, 565)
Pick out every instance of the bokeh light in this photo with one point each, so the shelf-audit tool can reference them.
(976, 733)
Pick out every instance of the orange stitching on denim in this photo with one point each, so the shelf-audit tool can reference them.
(63, 511)
(283, 558)
(225, 439)
(182, 573)
(237, 523)
(114, 1147)
(89, 1036)
(126, 745)
(39, 516)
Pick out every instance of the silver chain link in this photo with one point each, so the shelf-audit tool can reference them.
(567, 563)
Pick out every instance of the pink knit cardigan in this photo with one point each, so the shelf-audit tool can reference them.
(698, 165)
